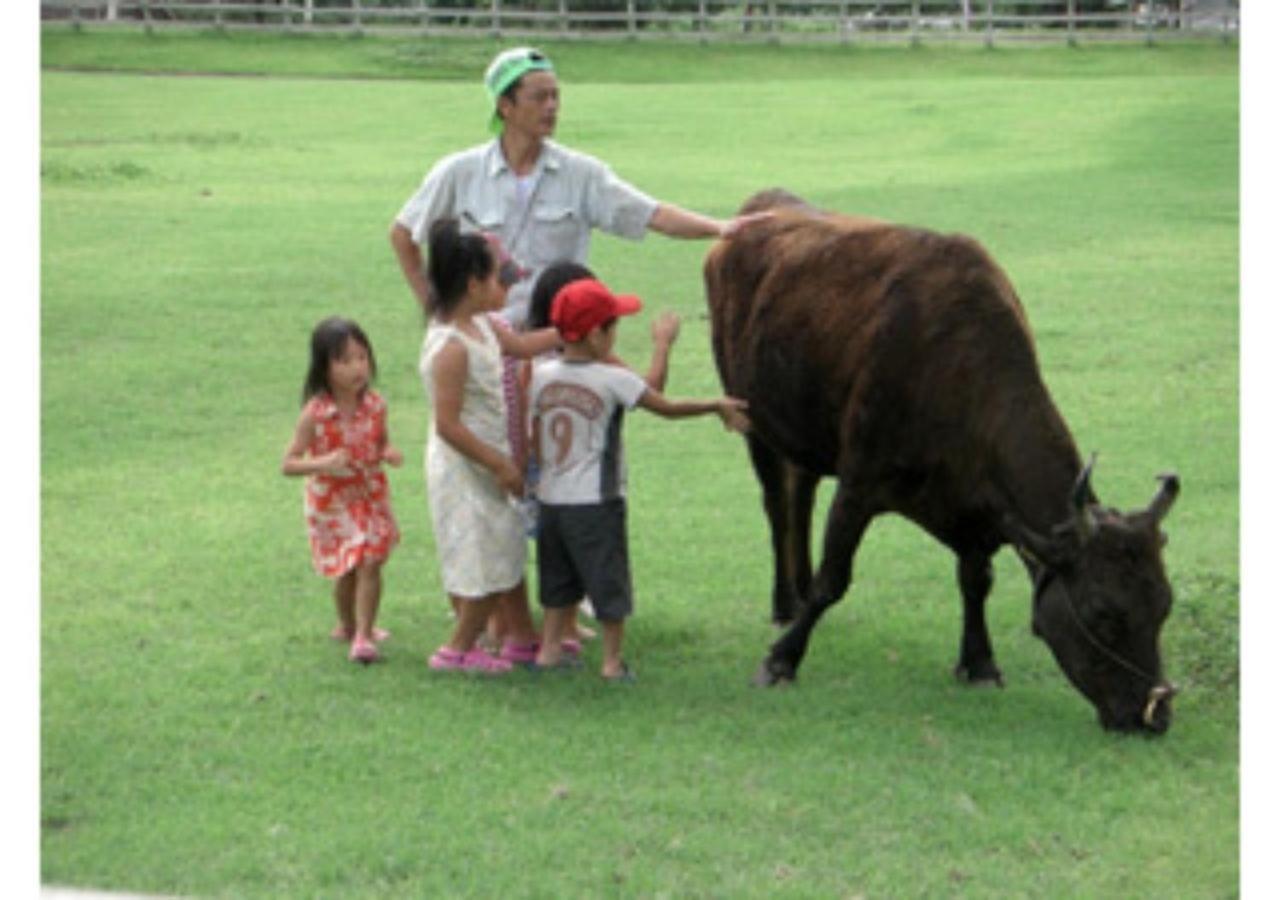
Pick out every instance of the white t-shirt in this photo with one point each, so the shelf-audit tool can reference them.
(578, 408)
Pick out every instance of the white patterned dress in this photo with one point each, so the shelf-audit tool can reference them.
(480, 536)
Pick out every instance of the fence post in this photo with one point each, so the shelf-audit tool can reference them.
(915, 23)
(357, 16)
(495, 18)
(702, 21)
(308, 13)
(564, 15)
(631, 19)
(844, 22)
(1071, 23)
(1151, 18)
(113, 10)
(991, 37)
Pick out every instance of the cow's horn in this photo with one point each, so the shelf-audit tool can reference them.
(1085, 518)
(1161, 692)
(1169, 487)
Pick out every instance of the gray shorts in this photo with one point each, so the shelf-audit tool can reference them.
(582, 552)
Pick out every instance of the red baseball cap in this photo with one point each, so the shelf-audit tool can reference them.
(585, 304)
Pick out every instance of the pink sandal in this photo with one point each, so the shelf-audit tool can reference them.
(527, 654)
(521, 654)
(341, 634)
(446, 659)
(363, 651)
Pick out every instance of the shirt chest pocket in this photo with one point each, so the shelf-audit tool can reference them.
(481, 217)
(556, 230)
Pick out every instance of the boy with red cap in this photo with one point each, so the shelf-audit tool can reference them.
(577, 402)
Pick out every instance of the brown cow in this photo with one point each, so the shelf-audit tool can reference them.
(900, 361)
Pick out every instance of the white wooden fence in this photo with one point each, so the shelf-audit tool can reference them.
(847, 21)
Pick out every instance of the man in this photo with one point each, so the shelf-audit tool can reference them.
(540, 198)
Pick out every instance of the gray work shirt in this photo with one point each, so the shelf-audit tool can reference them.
(570, 194)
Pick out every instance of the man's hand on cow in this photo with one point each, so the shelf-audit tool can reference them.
(733, 413)
(665, 329)
(737, 223)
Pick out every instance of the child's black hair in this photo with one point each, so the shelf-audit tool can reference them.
(549, 283)
(453, 259)
(327, 342)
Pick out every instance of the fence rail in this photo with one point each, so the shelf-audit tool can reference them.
(848, 21)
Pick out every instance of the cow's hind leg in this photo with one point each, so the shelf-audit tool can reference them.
(788, 502)
(847, 520)
(977, 661)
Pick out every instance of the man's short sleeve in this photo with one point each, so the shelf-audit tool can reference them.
(616, 206)
(433, 200)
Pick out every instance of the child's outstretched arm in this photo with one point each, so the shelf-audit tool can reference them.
(528, 344)
(665, 330)
(296, 461)
(732, 411)
(449, 374)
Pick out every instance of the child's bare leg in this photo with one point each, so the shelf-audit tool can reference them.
(491, 638)
(517, 621)
(611, 644)
(368, 595)
(578, 630)
(473, 614)
(554, 622)
(344, 601)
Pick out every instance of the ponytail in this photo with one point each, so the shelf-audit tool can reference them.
(453, 260)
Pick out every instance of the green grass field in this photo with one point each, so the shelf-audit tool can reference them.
(200, 735)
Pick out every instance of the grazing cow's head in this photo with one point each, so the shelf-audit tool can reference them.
(1101, 598)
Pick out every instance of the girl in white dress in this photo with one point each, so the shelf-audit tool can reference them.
(471, 477)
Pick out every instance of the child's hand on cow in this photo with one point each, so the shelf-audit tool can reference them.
(665, 329)
(733, 413)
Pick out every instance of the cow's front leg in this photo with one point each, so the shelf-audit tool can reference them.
(847, 520)
(977, 661)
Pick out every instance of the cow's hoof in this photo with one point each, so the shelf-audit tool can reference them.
(984, 674)
(771, 674)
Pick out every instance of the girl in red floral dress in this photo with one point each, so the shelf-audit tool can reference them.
(340, 444)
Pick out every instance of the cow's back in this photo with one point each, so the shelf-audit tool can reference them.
(902, 345)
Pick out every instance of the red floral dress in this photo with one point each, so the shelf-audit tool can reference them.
(349, 518)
